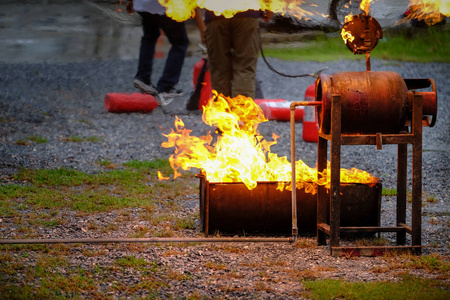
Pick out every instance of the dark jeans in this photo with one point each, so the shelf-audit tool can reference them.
(176, 33)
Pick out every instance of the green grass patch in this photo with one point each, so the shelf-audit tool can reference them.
(150, 167)
(408, 288)
(85, 121)
(433, 263)
(38, 139)
(389, 192)
(430, 198)
(51, 283)
(50, 223)
(187, 222)
(35, 139)
(79, 139)
(57, 177)
(417, 45)
(135, 186)
(137, 263)
(69, 178)
(98, 203)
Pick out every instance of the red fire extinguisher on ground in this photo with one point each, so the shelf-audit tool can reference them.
(127, 103)
(279, 109)
(310, 127)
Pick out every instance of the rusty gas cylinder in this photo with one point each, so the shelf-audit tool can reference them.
(371, 102)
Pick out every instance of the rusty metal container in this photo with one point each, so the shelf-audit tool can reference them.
(372, 102)
(231, 208)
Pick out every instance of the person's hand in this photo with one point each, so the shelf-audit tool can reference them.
(267, 15)
(198, 18)
(129, 7)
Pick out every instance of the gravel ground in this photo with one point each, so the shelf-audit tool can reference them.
(56, 101)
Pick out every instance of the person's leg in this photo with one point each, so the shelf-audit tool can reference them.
(147, 48)
(177, 36)
(245, 56)
(218, 42)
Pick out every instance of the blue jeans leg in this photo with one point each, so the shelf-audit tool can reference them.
(177, 36)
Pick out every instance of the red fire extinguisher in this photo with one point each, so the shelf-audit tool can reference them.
(202, 86)
(127, 103)
(310, 127)
(279, 109)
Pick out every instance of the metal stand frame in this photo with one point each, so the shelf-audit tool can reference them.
(337, 139)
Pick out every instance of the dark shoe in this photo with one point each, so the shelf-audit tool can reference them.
(171, 93)
(145, 88)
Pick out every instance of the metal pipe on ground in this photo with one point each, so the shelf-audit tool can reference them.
(147, 240)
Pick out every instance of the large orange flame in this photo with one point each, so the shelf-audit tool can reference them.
(429, 11)
(239, 153)
(182, 10)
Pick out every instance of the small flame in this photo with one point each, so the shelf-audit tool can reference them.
(347, 36)
(429, 11)
(365, 6)
(239, 153)
(162, 177)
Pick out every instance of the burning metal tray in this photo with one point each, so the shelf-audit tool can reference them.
(230, 208)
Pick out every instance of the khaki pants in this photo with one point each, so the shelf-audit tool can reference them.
(233, 47)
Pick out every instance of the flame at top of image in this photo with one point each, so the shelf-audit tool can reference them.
(430, 12)
(181, 10)
(365, 6)
(239, 153)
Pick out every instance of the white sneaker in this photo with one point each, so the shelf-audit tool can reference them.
(164, 100)
(172, 93)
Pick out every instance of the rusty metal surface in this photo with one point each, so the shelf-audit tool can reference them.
(293, 159)
(416, 210)
(366, 32)
(402, 175)
(373, 102)
(334, 227)
(429, 99)
(231, 208)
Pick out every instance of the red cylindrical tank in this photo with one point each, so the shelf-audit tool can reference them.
(206, 92)
(310, 127)
(124, 103)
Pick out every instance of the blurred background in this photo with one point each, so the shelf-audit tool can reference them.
(82, 30)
